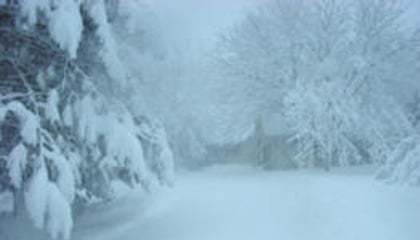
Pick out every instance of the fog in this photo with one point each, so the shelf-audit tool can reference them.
(209, 119)
(200, 21)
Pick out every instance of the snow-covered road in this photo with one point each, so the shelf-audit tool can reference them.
(240, 204)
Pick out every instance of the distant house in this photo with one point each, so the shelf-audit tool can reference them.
(266, 145)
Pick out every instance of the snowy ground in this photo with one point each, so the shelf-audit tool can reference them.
(240, 204)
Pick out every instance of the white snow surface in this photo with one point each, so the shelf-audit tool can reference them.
(236, 203)
(239, 203)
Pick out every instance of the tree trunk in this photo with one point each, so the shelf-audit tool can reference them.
(260, 143)
(18, 203)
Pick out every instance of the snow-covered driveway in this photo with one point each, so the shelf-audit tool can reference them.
(241, 204)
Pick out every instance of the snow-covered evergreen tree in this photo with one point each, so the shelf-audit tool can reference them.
(63, 142)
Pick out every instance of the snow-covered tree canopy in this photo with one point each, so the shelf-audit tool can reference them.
(330, 68)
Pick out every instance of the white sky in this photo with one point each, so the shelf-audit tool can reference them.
(199, 20)
(414, 13)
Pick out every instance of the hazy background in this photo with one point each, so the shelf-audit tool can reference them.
(202, 20)
(199, 21)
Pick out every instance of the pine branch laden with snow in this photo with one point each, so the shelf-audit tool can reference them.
(38, 200)
(64, 21)
(97, 11)
(109, 130)
(115, 133)
(47, 206)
